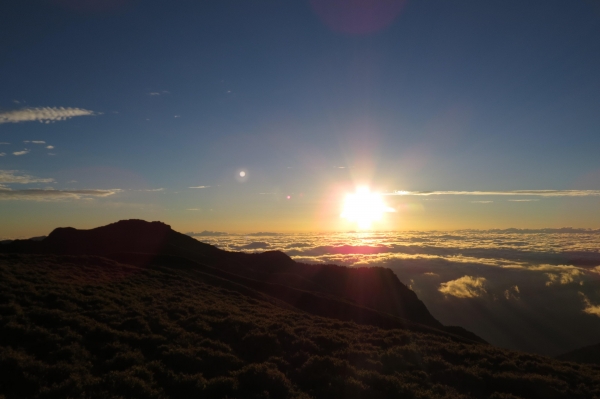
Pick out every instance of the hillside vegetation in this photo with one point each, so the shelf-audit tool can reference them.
(368, 295)
(587, 354)
(91, 327)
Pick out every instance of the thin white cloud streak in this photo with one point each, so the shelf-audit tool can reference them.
(52, 195)
(18, 153)
(200, 187)
(464, 287)
(4, 143)
(540, 193)
(34, 141)
(50, 147)
(43, 114)
(14, 176)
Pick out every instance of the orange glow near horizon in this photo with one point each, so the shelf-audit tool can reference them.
(364, 208)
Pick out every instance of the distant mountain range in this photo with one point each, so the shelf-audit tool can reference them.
(365, 295)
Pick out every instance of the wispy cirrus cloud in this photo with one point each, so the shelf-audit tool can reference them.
(465, 287)
(540, 193)
(200, 187)
(34, 141)
(14, 176)
(52, 195)
(43, 114)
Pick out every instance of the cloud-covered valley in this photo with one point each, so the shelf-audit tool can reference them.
(536, 290)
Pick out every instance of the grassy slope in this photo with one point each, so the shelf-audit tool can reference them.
(88, 327)
(374, 287)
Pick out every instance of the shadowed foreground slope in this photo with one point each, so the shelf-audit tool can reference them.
(90, 327)
(589, 354)
(358, 294)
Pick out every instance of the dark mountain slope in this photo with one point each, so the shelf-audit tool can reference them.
(375, 288)
(91, 327)
(312, 302)
(588, 354)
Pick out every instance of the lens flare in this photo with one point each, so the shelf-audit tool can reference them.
(364, 208)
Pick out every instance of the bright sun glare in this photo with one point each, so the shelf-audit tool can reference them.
(364, 207)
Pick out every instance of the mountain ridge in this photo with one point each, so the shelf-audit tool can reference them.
(348, 290)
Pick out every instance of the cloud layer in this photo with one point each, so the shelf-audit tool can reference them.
(43, 114)
(532, 290)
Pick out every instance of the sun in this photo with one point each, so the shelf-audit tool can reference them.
(364, 207)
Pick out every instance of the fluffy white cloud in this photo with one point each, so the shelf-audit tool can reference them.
(43, 114)
(17, 153)
(52, 195)
(465, 287)
(50, 147)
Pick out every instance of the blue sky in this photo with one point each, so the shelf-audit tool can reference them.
(309, 98)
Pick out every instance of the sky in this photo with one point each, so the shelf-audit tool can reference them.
(465, 114)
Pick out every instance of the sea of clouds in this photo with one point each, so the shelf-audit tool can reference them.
(531, 290)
